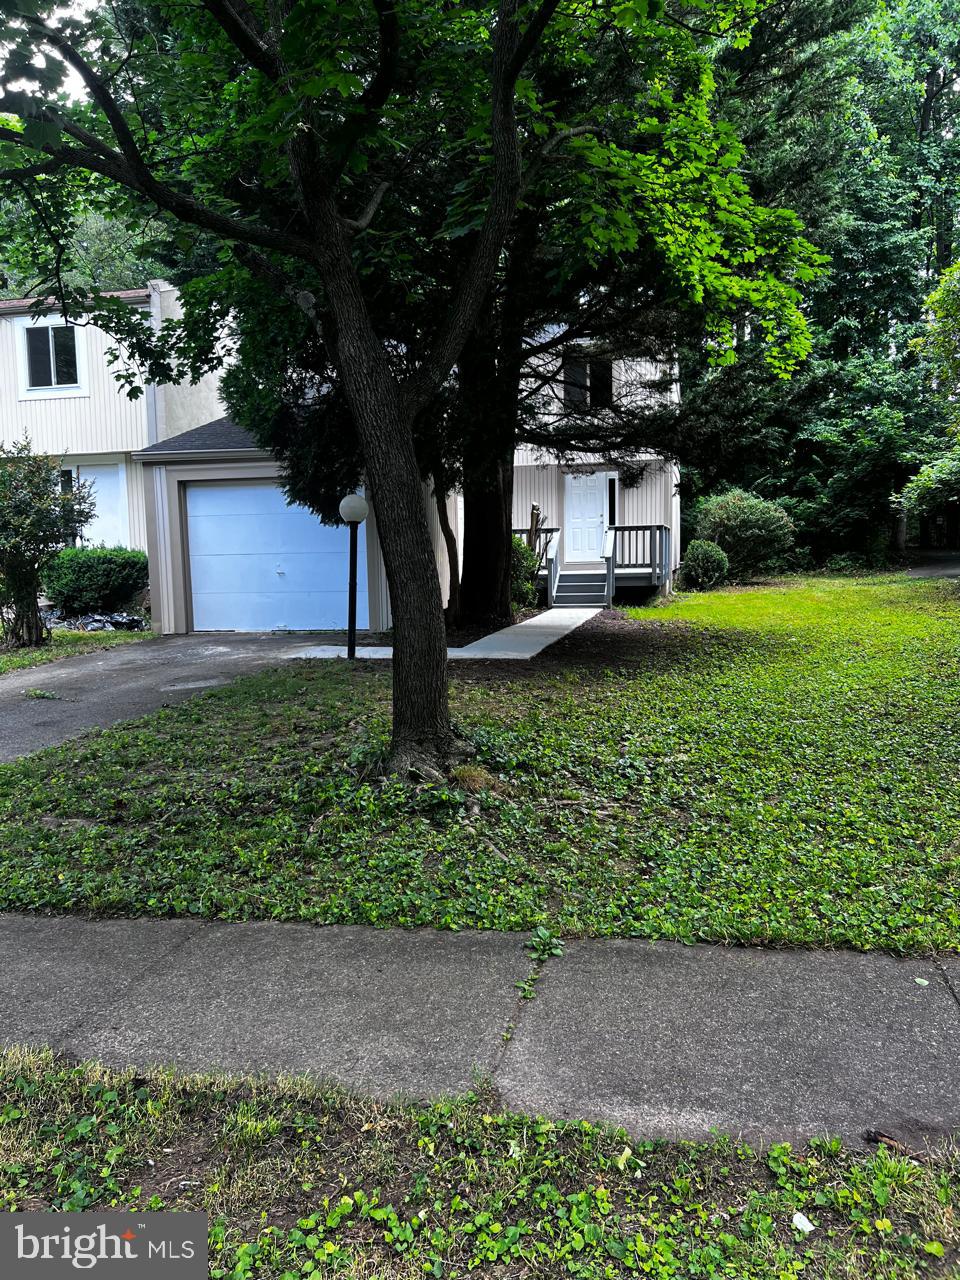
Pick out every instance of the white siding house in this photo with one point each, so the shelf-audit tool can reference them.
(58, 391)
(228, 554)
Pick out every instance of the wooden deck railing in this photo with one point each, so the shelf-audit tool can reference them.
(542, 539)
(552, 559)
(640, 547)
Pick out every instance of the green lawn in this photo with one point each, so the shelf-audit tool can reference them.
(298, 1179)
(777, 765)
(64, 644)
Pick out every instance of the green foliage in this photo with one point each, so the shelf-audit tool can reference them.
(940, 343)
(693, 814)
(524, 567)
(705, 566)
(102, 253)
(544, 944)
(936, 483)
(755, 535)
(37, 521)
(640, 157)
(459, 1187)
(95, 579)
(848, 117)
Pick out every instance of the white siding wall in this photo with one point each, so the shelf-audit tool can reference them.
(102, 420)
(542, 485)
(653, 501)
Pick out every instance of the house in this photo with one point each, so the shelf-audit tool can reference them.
(172, 475)
(58, 390)
(606, 528)
(227, 553)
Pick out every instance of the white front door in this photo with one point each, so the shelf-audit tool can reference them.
(584, 515)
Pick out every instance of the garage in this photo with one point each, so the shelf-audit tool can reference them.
(258, 564)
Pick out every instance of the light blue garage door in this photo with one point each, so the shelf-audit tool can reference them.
(257, 564)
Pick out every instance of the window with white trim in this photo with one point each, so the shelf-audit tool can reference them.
(51, 356)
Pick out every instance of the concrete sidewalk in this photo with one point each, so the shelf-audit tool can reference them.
(516, 643)
(668, 1040)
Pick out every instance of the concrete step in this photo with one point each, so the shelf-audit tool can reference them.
(580, 601)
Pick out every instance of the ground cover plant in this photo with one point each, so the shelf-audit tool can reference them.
(63, 644)
(298, 1180)
(776, 765)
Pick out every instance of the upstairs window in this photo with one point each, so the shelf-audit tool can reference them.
(601, 384)
(51, 356)
(587, 382)
(576, 391)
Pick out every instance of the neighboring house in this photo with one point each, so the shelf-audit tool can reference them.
(58, 390)
(227, 553)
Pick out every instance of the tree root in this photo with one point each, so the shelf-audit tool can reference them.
(428, 761)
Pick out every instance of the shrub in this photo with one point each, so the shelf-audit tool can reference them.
(705, 565)
(524, 566)
(755, 534)
(95, 579)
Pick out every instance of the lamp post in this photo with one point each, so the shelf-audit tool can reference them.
(353, 511)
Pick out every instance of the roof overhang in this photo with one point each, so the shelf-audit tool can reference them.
(157, 457)
(24, 306)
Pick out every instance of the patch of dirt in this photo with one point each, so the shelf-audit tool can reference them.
(176, 1172)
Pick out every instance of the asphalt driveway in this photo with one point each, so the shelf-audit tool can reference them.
(99, 689)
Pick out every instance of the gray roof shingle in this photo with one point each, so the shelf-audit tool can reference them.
(221, 435)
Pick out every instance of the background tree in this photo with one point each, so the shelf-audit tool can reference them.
(848, 115)
(103, 254)
(37, 520)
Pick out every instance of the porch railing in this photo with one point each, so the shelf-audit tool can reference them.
(552, 558)
(640, 547)
(542, 540)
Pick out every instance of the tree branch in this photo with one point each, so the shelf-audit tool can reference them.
(375, 95)
(511, 49)
(356, 225)
(238, 23)
(99, 93)
(112, 165)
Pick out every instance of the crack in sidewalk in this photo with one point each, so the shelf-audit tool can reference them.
(535, 976)
(948, 983)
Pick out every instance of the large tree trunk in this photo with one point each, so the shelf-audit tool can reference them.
(487, 530)
(489, 421)
(423, 741)
(422, 737)
(24, 627)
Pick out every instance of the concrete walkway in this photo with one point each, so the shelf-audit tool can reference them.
(668, 1040)
(525, 640)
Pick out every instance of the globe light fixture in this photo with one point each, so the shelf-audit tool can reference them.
(353, 511)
